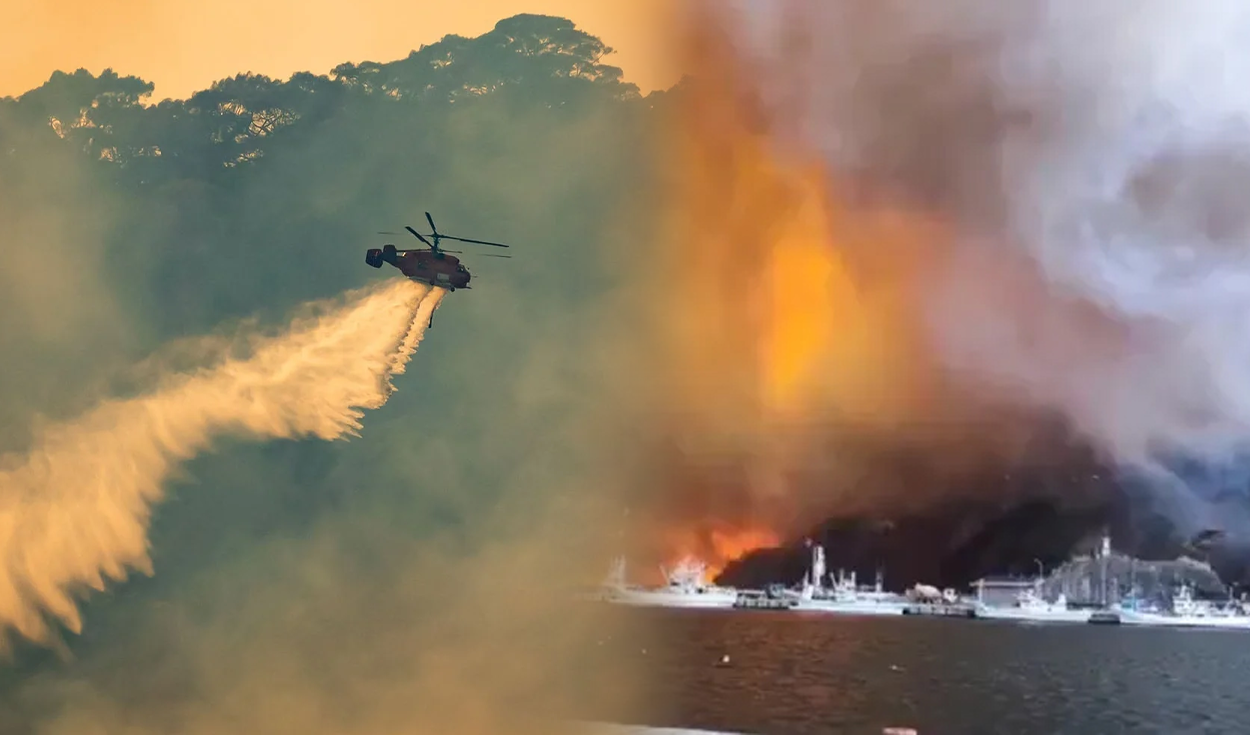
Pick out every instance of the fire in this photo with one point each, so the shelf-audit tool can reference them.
(718, 544)
(840, 317)
(804, 279)
(795, 311)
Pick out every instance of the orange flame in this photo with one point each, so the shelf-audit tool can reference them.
(718, 544)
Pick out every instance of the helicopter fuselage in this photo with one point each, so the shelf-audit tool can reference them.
(433, 268)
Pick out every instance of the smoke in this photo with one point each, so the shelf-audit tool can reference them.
(1031, 210)
(76, 507)
(357, 628)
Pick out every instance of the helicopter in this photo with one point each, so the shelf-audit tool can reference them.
(433, 266)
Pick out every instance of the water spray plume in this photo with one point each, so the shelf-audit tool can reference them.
(74, 511)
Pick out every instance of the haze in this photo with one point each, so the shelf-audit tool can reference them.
(162, 411)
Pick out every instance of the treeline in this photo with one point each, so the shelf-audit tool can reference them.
(526, 61)
(258, 188)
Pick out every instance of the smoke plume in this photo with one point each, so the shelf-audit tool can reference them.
(1005, 220)
(76, 507)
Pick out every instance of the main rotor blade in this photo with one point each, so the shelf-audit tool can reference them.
(431, 221)
(418, 235)
(479, 242)
(488, 255)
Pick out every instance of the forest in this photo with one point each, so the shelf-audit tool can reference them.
(129, 226)
(291, 175)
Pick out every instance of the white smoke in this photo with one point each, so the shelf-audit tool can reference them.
(1095, 160)
(74, 511)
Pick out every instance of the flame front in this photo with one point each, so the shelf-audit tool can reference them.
(717, 544)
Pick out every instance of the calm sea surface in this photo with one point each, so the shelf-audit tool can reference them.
(793, 673)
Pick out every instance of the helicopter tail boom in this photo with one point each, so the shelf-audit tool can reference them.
(375, 257)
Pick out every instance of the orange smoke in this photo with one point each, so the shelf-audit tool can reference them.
(804, 281)
(798, 288)
(840, 283)
(796, 316)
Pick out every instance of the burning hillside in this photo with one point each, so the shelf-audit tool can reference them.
(888, 305)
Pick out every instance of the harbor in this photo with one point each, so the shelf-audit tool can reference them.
(1102, 588)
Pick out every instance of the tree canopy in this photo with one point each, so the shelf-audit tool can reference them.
(526, 60)
(247, 182)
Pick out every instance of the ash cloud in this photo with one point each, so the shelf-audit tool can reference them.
(1088, 159)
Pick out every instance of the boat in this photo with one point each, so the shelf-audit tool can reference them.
(686, 587)
(767, 599)
(1032, 607)
(1029, 603)
(845, 597)
(1185, 612)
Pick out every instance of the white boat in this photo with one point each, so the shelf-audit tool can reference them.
(1030, 606)
(1186, 612)
(686, 587)
(844, 597)
(852, 606)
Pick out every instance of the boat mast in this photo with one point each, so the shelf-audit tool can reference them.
(818, 566)
(1105, 558)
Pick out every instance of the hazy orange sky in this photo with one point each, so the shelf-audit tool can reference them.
(185, 45)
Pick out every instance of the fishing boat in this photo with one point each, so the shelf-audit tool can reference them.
(686, 586)
(1032, 607)
(844, 596)
(1185, 612)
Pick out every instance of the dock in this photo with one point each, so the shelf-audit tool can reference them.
(941, 609)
